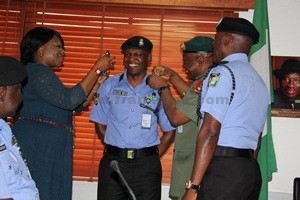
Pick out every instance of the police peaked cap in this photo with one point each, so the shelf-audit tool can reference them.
(239, 26)
(198, 43)
(289, 66)
(12, 71)
(138, 42)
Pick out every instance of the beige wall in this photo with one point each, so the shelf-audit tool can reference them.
(285, 41)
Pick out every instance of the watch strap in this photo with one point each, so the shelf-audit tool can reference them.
(190, 185)
(161, 89)
(95, 69)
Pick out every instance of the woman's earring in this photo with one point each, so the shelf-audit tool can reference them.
(41, 54)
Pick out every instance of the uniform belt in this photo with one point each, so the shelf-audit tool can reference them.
(233, 152)
(131, 153)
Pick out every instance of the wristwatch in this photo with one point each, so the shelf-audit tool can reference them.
(190, 185)
(161, 89)
(95, 69)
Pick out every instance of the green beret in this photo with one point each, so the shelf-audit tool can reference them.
(239, 26)
(138, 42)
(12, 71)
(198, 43)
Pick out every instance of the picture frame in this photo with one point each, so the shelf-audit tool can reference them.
(278, 111)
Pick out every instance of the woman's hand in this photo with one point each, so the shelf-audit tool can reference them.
(105, 62)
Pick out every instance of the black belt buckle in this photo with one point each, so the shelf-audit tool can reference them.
(130, 153)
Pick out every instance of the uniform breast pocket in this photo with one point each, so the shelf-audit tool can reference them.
(120, 107)
(9, 166)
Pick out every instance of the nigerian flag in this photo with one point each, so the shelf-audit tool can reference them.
(261, 60)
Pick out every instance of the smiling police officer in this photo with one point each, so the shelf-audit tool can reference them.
(126, 116)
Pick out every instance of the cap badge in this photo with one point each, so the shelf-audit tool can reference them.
(141, 42)
(198, 86)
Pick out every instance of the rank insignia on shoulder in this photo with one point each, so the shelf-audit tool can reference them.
(198, 86)
(213, 79)
(96, 98)
(2, 147)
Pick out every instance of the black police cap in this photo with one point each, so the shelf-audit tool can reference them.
(239, 26)
(138, 42)
(12, 71)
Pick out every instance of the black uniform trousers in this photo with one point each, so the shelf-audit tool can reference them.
(231, 178)
(143, 176)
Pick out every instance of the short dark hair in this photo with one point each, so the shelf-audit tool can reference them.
(33, 40)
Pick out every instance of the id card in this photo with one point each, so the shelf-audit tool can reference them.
(146, 120)
(179, 129)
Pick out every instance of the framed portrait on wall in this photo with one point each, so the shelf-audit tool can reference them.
(286, 84)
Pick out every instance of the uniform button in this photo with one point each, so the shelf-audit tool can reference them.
(9, 167)
(129, 126)
(132, 110)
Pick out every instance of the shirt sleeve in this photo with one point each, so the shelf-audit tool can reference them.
(216, 93)
(164, 121)
(101, 107)
(188, 105)
(49, 87)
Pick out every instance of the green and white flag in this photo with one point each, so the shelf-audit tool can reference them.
(261, 60)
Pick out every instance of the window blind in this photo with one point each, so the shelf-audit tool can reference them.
(11, 23)
(89, 29)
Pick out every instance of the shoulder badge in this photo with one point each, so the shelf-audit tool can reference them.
(213, 79)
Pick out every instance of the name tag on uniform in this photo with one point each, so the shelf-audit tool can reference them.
(179, 129)
(146, 120)
(120, 93)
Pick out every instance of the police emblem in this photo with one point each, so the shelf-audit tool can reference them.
(141, 43)
(213, 79)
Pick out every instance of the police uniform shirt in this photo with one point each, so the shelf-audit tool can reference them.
(243, 120)
(15, 180)
(119, 108)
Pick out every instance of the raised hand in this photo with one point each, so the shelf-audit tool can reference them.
(155, 81)
(105, 62)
